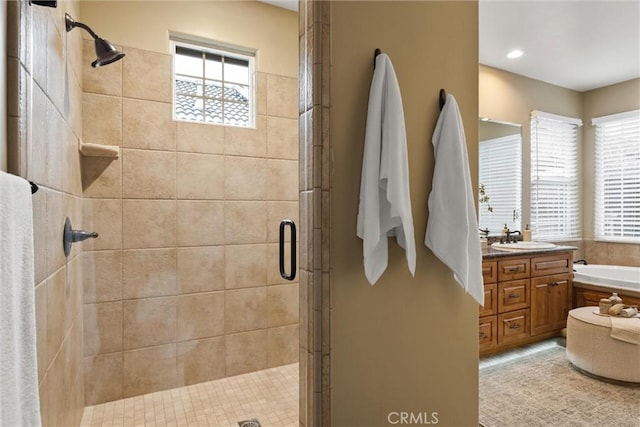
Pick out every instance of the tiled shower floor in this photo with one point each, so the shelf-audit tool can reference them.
(270, 396)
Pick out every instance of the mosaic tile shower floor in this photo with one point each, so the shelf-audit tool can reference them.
(270, 396)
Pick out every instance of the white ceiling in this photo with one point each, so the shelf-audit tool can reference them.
(577, 44)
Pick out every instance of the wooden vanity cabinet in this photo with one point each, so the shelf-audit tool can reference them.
(527, 298)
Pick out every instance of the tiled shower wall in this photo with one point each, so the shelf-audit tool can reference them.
(183, 285)
(44, 107)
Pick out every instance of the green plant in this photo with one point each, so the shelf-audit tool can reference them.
(483, 198)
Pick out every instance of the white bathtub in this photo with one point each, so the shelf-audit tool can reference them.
(609, 277)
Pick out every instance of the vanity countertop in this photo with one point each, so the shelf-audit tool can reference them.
(490, 253)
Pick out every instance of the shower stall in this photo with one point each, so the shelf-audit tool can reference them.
(183, 284)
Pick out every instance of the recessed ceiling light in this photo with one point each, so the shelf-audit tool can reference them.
(515, 53)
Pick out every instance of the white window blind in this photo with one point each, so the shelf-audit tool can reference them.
(617, 177)
(555, 201)
(500, 171)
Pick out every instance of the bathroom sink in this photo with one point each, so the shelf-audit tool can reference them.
(522, 246)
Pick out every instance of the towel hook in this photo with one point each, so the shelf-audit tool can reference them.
(443, 98)
(34, 187)
(375, 55)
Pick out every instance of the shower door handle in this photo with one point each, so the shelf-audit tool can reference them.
(292, 273)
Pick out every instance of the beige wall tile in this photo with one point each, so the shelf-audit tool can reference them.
(149, 223)
(282, 138)
(627, 254)
(102, 276)
(39, 201)
(245, 352)
(201, 315)
(56, 61)
(103, 378)
(101, 119)
(39, 34)
(200, 223)
(101, 177)
(282, 96)
(148, 125)
(41, 329)
(57, 305)
(149, 273)
(282, 180)
(245, 310)
(200, 138)
(71, 163)
(273, 264)
(149, 322)
(200, 176)
(38, 133)
(201, 360)
(146, 75)
(276, 212)
(148, 174)
(102, 80)
(282, 345)
(104, 216)
(102, 328)
(54, 147)
(245, 141)
(245, 178)
(245, 222)
(201, 269)
(245, 266)
(43, 389)
(282, 305)
(261, 83)
(141, 369)
(57, 401)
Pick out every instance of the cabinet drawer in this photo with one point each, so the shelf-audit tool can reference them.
(513, 326)
(514, 295)
(513, 269)
(490, 271)
(490, 300)
(551, 264)
(488, 332)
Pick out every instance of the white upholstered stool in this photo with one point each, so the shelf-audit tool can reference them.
(591, 348)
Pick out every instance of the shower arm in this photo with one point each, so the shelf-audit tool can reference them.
(70, 24)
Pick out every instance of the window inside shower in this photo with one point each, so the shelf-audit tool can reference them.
(213, 84)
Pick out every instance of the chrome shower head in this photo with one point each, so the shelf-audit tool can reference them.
(106, 52)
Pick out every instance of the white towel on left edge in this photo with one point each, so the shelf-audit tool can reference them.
(452, 230)
(19, 399)
(385, 204)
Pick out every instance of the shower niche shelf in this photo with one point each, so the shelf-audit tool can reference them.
(99, 150)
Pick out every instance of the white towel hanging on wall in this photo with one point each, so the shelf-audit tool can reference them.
(19, 398)
(452, 230)
(385, 204)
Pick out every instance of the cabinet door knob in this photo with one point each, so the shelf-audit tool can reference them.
(482, 335)
(514, 325)
(516, 269)
(512, 295)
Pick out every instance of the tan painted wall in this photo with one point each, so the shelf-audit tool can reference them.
(510, 97)
(405, 344)
(145, 25)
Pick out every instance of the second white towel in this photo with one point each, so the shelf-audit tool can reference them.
(385, 204)
(452, 230)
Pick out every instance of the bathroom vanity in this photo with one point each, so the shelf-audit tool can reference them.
(527, 296)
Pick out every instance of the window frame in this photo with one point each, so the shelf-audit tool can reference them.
(512, 161)
(574, 226)
(632, 119)
(224, 50)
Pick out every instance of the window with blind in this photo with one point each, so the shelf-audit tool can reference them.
(555, 196)
(213, 84)
(500, 170)
(617, 177)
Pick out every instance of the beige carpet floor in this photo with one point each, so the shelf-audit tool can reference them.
(543, 389)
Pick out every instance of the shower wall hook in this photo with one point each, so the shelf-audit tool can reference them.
(375, 55)
(70, 236)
